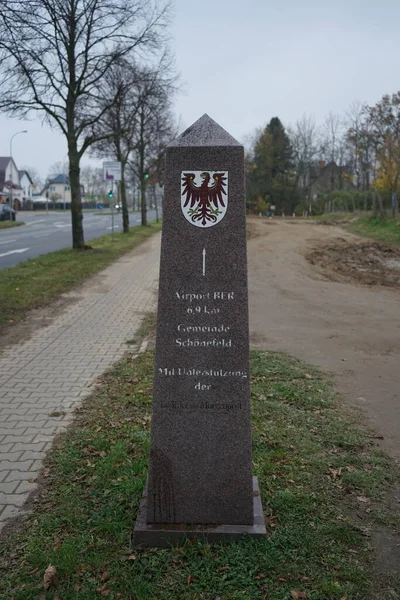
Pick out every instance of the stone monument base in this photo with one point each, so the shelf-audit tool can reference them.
(166, 535)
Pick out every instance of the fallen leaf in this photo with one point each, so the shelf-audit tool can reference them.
(57, 598)
(335, 472)
(57, 544)
(298, 595)
(24, 563)
(223, 569)
(308, 376)
(131, 557)
(104, 591)
(105, 576)
(189, 579)
(344, 598)
(50, 577)
(362, 499)
(260, 576)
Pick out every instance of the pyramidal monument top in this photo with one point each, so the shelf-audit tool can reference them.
(204, 132)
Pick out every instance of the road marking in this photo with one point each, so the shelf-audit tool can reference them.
(115, 227)
(35, 222)
(9, 241)
(14, 252)
(39, 235)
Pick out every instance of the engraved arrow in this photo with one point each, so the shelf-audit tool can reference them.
(204, 261)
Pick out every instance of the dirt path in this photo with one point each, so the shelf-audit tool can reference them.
(348, 329)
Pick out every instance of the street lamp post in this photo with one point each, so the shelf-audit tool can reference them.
(12, 185)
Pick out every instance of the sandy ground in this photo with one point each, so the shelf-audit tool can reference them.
(349, 327)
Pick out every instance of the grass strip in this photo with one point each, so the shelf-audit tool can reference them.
(315, 465)
(10, 224)
(383, 230)
(38, 281)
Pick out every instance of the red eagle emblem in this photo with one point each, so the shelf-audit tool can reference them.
(204, 205)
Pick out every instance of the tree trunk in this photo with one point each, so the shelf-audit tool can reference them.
(125, 213)
(380, 204)
(374, 205)
(142, 183)
(78, 240)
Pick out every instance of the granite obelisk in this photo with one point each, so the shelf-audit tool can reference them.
(200, 475)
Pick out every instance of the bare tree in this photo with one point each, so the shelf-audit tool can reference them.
(331, 135)
(35, 176)
(155, 128)
(362, 144)
(57, 168)
(119, 120)
(304, 140)
(92, 179)
(137, 121)
(333, 144)
(54, 58)
(354, 121)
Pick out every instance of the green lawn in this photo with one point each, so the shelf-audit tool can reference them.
(37, 282)
(322, 484)
(10, 224)
(383, 230)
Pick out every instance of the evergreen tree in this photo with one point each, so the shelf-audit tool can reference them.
(270, 170)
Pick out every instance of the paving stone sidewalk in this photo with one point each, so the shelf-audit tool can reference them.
(52, 372)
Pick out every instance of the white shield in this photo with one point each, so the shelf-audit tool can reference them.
(204, 196)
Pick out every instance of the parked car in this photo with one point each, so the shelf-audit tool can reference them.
(7, 213)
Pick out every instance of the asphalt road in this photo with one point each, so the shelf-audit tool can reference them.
(46, 233)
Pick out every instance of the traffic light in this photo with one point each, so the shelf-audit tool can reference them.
(110, 194)
(146, 175)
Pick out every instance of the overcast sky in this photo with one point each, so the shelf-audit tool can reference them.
(246, 61)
